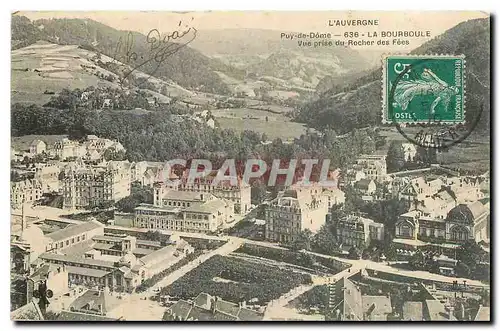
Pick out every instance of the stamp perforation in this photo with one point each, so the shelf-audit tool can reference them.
(384, 80)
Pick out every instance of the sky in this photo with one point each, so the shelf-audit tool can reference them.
(435, 21)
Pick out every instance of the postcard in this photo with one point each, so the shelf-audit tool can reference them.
(250, 166)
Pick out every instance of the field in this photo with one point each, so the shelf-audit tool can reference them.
(299, 260)
(236, 280)
(468, 157)
(49, 67)
(472, 158)
(272, 124)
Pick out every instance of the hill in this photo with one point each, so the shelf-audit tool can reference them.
(43, 69)
(264, 53)
(185, 66)
(357, 104)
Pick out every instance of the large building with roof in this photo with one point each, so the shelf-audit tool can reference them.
(239, 192)
(186, 211)
(88, 186)
(461, 223)
(117, 261)
(293, 211)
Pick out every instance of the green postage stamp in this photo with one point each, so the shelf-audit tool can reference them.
(423, 89)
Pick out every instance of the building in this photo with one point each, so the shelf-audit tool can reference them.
(184, 211)
(483, 314)
(66, 148)
(373, 166)
(334, 197)
(94, 302)
(97, 146)
(366, 186)
(463, 222)
(294, 211)
(37, 147)
(48, 176)
(409, 151)
(25, 191)
(32, 242)
(118, 262)
(358, 231)
(239, 194)
(92, 148)
(87, 186)
(206, 307)
(354, 175)
(73, 235)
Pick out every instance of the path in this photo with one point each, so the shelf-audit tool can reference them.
(356, 264)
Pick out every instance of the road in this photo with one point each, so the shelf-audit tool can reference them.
(138, 306)
(356, 264)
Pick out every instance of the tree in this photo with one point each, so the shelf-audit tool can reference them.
(302, 241)
(258, 192)
(395, 157)
(354, 253)
(139, 194)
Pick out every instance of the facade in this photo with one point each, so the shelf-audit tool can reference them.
(358, 231)
(410, 151)
(37, 147)
(184, 211)
(66, 148)
(239, 195)
(25, 191)
(294, 211)
(463, 222)
(366, 186)
(91, 149)
(48, 176)
(349, 304)
(373, 166)
(86, 186)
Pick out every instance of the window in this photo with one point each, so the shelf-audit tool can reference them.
(67, 242)
(72, 240)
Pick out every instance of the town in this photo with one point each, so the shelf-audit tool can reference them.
(92, 237)
(239, 176)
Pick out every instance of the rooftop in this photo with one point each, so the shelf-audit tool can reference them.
(74, 230)
(75, 259)
(86, 271)
(208, 207)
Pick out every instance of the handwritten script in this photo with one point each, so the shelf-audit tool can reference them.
(156, 50)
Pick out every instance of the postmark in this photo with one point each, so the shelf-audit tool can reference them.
(424, 89)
